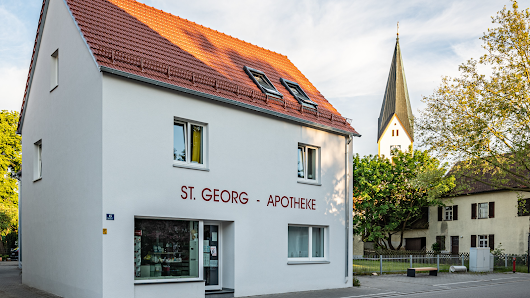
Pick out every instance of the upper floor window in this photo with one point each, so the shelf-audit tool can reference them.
(523, 207)
(298, 93)
(308, 163)
(484, 210)
(189, 143)
(263, 83)
(449, 213)
(54, 70)
(37, 165)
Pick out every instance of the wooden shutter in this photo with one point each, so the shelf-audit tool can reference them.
(440, 213)
(491, 212)
(455, 212)
(474, 240)
(473, 211)
(491, 241)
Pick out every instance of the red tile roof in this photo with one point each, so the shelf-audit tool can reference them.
(132, 37)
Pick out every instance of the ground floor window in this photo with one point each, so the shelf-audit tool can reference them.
(166, 249)
(306, 243)
(483, 241)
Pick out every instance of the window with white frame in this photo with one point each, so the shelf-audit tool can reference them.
(37, 164)
(483, 210)
(483, 241)
(306, 243)
(308, 163)
(54, 70)
(448, 212)
(189, 143)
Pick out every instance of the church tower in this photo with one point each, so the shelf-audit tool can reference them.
(395, 123)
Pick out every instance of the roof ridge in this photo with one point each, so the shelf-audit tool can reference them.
(208, 28)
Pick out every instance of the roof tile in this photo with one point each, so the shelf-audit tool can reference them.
(132, 37)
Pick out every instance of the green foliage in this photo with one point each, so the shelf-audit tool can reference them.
(389, 195)
(356, 282)
(498, 251)
(482, 118)
(436, 247)
(10, 162)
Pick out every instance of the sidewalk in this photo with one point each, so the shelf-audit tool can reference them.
(11, 283)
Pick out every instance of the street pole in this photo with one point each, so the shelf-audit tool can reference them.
(528, 254)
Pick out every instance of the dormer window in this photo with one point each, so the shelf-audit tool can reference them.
(298, 93)
(263, 83)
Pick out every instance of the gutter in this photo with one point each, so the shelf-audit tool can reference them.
(307, 123)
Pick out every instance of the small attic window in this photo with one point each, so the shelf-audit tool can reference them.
(263, 83)
(298, 93)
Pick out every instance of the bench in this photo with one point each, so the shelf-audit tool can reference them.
(412, 271)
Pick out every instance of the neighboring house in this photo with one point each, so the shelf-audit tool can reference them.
(477, 216)
(394, 125)
(162, 158)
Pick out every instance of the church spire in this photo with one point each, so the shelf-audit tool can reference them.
(396, 100)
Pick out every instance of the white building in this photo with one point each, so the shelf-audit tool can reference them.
(108, 210)
(395, 123)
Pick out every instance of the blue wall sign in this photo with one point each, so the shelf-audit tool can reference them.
(110, 216)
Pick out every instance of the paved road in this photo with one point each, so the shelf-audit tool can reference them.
(444, 285)
(465, 285)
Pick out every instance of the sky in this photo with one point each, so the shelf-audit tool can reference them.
(344, 47)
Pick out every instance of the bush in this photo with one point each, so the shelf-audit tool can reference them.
(356, 282)
(436, 247)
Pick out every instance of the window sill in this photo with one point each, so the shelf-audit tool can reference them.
(162, 281)
(38, 179)
(191, 167)
(306, 262)
(315, 183)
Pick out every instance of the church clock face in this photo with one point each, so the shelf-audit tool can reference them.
(392, 147)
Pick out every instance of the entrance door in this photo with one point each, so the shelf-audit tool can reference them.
(454, 245)
(211, 255)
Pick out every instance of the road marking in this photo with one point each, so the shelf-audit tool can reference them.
(372, 295)
(465, 282)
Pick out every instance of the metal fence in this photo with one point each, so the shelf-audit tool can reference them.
(400, 263)
(505, 261)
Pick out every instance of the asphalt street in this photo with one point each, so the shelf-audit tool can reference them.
(468, 285)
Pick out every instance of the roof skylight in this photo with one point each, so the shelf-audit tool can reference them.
(298, 93)
(263, 83)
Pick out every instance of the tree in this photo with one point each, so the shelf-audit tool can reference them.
(10, 162)
(389, 195)
(482, 122)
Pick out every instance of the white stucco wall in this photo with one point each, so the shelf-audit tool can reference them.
(61, 213)
(388, 140)
(247, 152)
(509, 229)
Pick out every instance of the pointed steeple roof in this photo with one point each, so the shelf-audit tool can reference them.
(396, 100)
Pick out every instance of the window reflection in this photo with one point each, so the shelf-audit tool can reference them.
(179, 142)
(300, 162)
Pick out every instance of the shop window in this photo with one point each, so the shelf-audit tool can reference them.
(308, 163)
(166, 249)
(298, 93)
(189, 143)
(37, 165)
(262, 81)
(54, 70)
(448, 212)
(306, 243)
(523, 207)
